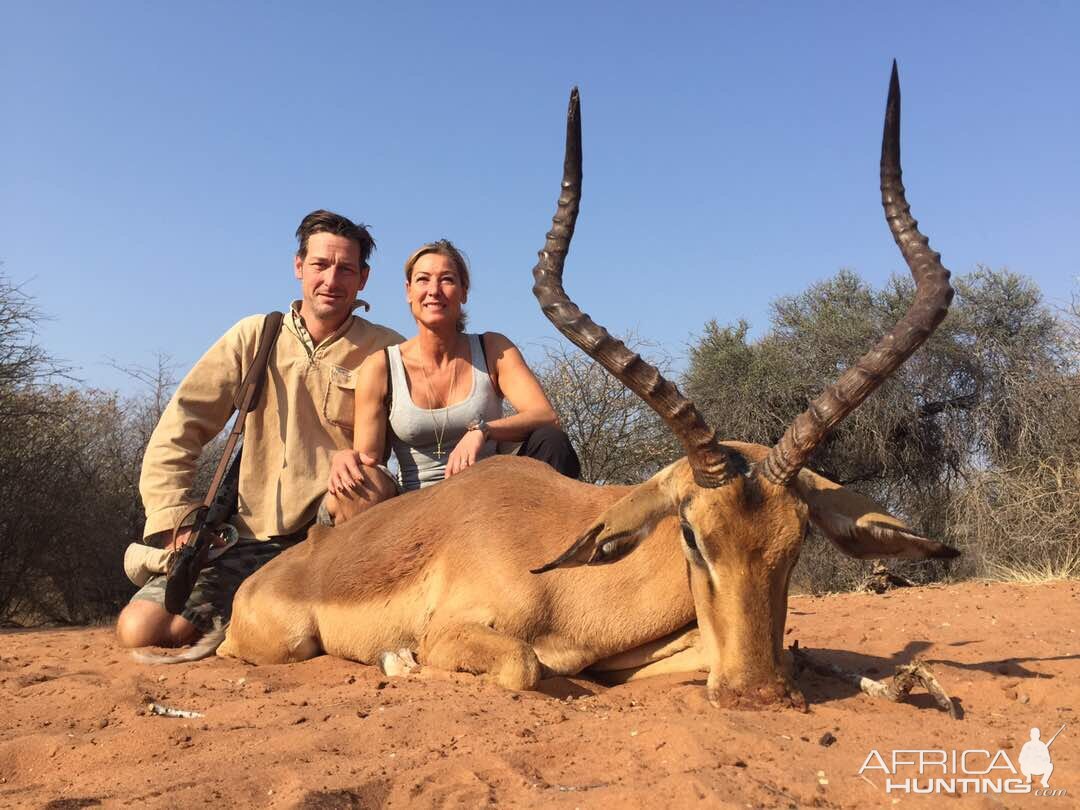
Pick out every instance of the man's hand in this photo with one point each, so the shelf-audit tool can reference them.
(345, 474)
(183, 537)
(464, 455)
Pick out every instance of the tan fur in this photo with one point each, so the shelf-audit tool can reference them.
(659, 650)
(460, 553)
(690, 660)
(445, 571)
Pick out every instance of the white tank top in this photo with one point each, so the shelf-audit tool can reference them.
(413, 430)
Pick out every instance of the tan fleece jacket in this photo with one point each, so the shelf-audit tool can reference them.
(304, 416)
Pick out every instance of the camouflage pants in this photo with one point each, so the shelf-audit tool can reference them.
(212, 596)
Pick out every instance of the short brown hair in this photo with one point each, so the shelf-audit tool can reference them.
(328, 222)
(446, 248)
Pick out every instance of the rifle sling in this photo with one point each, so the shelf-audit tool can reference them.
(246, 399)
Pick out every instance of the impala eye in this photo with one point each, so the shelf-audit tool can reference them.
(688, 536)
(691, 541)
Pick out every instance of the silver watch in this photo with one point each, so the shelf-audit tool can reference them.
(482, 426)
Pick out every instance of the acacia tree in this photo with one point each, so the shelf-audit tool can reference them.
(618, 438)
(71, 509)
(1020, 509)
(69, 469)
(24, 364)
(24, 368)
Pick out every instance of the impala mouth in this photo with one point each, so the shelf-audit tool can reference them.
(779, 693)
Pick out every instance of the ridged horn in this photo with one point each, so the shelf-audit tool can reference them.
(932, 297)
(709, 460)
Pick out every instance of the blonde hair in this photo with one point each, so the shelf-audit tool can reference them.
(447, 249)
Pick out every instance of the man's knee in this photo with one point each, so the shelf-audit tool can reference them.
(375, 488)
(144, 624)
(328, 510)
(380, 486)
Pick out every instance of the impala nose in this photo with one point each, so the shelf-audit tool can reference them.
(778, 691)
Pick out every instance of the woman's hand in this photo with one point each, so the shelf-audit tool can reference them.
(464, 455)
(345, 474)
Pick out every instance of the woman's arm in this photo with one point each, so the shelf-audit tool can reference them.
(515, 382)
(369, 427)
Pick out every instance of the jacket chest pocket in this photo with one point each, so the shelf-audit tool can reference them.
(339, 401)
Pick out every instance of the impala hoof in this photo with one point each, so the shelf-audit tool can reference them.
(519, 671)
(397, 663)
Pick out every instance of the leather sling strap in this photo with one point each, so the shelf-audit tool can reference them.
(189, 560)
(257, 373)
(245, 401)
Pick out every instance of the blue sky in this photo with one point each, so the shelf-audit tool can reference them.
(156, 158)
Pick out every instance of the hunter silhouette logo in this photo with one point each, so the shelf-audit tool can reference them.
(1035, 757)
(974, 770)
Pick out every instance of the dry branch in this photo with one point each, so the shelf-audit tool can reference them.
(167, 711)
(906, 678)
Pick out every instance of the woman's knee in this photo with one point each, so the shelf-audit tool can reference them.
(551, 445)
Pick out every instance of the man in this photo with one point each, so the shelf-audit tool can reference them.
(305, 413)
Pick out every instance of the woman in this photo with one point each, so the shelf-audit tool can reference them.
(437, 399)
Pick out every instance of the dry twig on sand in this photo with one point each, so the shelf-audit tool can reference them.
(906, 678)
(168, 711)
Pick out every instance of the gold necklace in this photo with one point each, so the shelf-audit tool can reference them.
(439, 435)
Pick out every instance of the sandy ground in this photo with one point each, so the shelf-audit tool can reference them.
(74, 731)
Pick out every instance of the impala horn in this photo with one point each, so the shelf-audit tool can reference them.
(932, 297)
(711, 462)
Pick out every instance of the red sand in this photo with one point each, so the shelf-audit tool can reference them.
(333, 734)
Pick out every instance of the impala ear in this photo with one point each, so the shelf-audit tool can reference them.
(621, 527)
(861, 528)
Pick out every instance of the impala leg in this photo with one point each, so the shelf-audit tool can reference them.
(658, 650)
(271, 620)
(265, 631)
(692, 659)
(477, 648)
